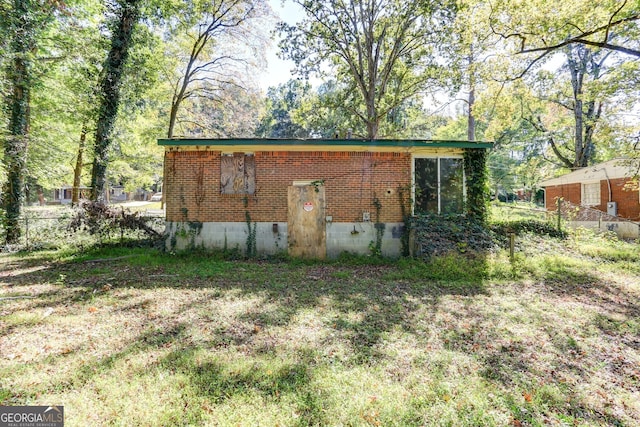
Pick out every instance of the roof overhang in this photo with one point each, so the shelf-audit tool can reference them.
(612, 169)
(345, 145)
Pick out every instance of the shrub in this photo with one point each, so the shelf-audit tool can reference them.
(541, 228)
(436, 235)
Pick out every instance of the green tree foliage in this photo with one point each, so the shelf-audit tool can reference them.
(585, 107)
(66, 102)
(323, 114)
(540, 27)
(383, 51)
(66, 99)
(127, 15)
(282, 101)
(567, 113)
(232, 112)
(24, 21)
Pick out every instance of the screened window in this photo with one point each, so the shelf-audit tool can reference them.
(439, 185)
(591, 194)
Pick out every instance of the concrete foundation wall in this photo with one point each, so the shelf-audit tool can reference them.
(341, 237)
(356, 237)
(624, 230)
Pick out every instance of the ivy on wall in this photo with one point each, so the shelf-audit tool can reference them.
(475, 169)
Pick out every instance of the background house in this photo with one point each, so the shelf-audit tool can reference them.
(63, 194)
(113, 194)
(603, 195)
(312, 198)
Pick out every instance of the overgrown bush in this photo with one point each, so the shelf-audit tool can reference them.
(57, 227)
(437, 235)
(105, 221)
(43, 229)
(541, 228)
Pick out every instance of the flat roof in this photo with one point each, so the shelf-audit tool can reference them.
(336, 144)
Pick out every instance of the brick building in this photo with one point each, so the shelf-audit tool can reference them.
(600, 194)
(608, 187)
(312, 198)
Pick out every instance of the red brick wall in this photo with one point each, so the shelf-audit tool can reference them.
(351, 180)
(569, 192)
(628, 201)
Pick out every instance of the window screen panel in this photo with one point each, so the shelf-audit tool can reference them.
(451, 186)
(426, 179)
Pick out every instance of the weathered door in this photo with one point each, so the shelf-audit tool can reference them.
(306, 222)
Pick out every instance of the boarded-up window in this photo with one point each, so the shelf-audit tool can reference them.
(591, 194)
(237, 174)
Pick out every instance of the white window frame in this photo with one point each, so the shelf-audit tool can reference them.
(438, 157)
(583, 194)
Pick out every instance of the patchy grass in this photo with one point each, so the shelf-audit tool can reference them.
(126, 336)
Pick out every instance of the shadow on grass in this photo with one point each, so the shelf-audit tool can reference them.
(218, 382)
(382, 293)
(367, 302)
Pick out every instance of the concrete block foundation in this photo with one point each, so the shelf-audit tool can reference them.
(272, 238)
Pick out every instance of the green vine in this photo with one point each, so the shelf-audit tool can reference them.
(251, 236)
(317, 184)
(405, 209)
(376, 247)
(475, 168)
(187, 232)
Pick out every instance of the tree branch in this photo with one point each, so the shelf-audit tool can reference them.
(581, 39)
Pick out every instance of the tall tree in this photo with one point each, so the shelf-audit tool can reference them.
(382, 49)
(66, 99)
(25, 20)
(222, 35)
(126, 19)
(231, 111)
(584, 67)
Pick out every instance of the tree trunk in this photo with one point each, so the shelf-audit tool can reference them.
(179, 95)
(586, 115)
(77, 172)
(372, 129)
(471, 121)
(110, 88)
(172, 118)
(15, 148)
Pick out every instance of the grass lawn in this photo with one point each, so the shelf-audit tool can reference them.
(138, 337)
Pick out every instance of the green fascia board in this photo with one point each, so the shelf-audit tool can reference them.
(399, 143)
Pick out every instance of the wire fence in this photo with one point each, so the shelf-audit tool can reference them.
(52, 229)
(569, 215)
(587, 217)
(519, 211)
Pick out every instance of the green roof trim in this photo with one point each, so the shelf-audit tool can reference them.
(399, 143)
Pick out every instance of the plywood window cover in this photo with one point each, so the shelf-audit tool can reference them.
(237, 173)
